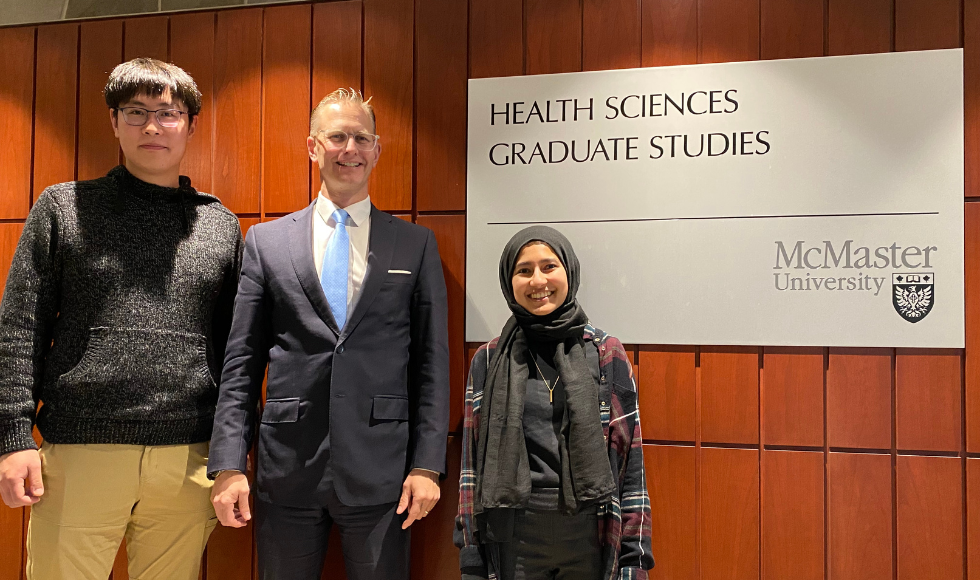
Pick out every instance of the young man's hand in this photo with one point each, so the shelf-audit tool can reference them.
(230, 499)
(20, 478)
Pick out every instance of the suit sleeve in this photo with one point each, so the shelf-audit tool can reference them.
(429, 363)
(246, 357)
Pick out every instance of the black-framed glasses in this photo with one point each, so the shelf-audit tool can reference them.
(338, 139)
(137, 116)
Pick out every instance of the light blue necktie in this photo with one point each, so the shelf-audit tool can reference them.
(334, 273)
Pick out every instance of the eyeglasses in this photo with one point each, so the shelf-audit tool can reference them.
(137, 116)
(338, 139)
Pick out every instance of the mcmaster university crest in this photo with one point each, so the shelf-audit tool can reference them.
(912, 295)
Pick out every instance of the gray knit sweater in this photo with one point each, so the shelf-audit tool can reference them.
(116, 313)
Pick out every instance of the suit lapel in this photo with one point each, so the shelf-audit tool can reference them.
(301, 254)
(381, 246)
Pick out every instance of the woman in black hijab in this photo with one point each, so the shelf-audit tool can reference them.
(552, 482)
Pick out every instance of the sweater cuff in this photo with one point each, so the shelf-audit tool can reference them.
(16, 435)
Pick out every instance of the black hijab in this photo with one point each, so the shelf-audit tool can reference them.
(503, 473)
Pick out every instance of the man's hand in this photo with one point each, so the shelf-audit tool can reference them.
(420, 493)
(230, 498)
(15, 468)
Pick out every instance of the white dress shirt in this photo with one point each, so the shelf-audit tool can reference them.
(359, 231)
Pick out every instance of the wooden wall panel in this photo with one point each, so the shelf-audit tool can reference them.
(11, 540)
(389, 37)
(553, 33)
(9, 236)
(336, 48)
(246, 223)
(729, 524)
(192, 49)
(496, 38)
(432, 556)
(336, 57)
(930, 515)
(669, 30)
(792, 28)
(929, 386)
(793, 515)
(229, 553)
(730, 394)
(16, 120)
(793, 396)
(860, 526)
(147, 37)
(120, 567)
(286, 108)
(671, 486)
(100, 50)
(973, 517)
(927, 24)
(859, 27)
(440, 105)
(450, 233)
(729, 30)
(333, 564)
(237, 109)
(859, 398)
(610, 34)
(55, 100)
(971, 275)
(667, 393)
(971, 95)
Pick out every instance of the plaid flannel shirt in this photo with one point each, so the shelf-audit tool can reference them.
(624, 522)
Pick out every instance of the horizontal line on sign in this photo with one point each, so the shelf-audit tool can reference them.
(720, 217)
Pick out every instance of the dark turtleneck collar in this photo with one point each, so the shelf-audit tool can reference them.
(132, 185)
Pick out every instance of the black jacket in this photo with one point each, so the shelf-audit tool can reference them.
(363, 406)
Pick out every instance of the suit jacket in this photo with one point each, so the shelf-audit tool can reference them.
(362, 405)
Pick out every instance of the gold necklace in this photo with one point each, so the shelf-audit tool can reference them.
(551, 388)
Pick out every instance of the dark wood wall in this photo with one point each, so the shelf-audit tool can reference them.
(762, 463)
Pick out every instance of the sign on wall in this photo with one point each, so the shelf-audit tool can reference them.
(797, 202)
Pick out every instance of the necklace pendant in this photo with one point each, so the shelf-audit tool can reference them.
(551, 396)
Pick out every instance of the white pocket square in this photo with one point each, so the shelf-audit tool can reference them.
(399, 272)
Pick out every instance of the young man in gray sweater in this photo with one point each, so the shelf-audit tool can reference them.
(112, 332)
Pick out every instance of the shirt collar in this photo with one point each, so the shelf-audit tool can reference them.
(359, 212)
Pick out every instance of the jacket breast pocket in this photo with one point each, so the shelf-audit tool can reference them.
(389, 408)
(281, 411)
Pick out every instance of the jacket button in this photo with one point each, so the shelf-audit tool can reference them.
(340, 349)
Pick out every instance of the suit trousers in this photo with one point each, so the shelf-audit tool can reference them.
(550, 546)
(292, 541)
(157, 497)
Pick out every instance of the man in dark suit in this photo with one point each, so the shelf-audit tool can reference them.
(346, 305)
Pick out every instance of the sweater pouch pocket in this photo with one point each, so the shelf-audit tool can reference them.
(130, 372)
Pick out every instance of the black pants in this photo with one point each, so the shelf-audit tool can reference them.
(292, 542)
(552, 546)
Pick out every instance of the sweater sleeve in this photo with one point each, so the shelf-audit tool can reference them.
(28, 312)
(635, 549)
(472, 562)
(224, 306)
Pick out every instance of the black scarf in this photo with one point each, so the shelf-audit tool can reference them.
(503, 476)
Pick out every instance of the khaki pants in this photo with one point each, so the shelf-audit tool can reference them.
(157, 497)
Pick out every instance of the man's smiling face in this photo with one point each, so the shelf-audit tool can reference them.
(344, 170)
